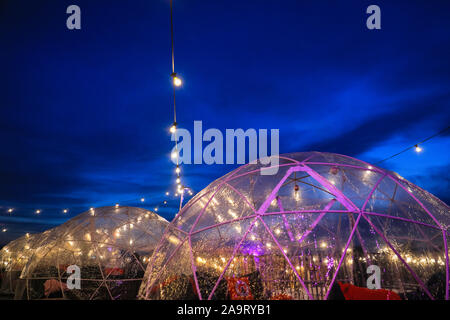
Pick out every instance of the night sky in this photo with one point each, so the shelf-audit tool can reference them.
(84, 114)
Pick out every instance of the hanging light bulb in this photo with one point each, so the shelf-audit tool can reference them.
(117, 205)
(156, 209)
(417, 148)
(174, 155)
(178, 170)
(178, 181)
(65, 211)
(4, 230)
(173, 128)
(167, 193)
(38, 211)
(142, 199)
(165, 202)
(176, 80)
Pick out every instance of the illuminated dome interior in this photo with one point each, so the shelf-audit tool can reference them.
(322, 219)
(110, 245)
(13, 258)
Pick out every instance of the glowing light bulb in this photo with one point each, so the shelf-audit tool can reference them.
(173, 128)
(165, 202)
(38, 211)
(178, 170)
(142, 199)
(177, 81)
(174, 155)
(167, 193)
(65, 211)
(4, 230)
(418, 149)
(117, 205)
(178, 180)
(10, 210)
(156, 209)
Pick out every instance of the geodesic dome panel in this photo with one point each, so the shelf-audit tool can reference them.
(321, 220)
(13, 258)
(110, 245)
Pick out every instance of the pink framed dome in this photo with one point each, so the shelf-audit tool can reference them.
(322, 220)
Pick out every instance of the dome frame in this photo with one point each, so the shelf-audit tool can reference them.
(306, 163)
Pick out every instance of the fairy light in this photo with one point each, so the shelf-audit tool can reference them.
(173, 128)
(10, 210)
(65, 211)
(142, 199)
(4, 230)
(177, 81)
(177, 170)
(38, 211)
(418, 148)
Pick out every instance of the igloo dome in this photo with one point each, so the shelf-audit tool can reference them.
(321, 221)
(13, 258)
(110, 245)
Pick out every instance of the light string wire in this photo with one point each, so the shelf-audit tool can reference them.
(176, 82)
(414, 146)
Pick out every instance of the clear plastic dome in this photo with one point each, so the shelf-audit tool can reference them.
(110, 245)
(322, 219)
(13, 258)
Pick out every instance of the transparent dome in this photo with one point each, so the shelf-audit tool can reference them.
(110, 245)
(13, 258)
(323, 219)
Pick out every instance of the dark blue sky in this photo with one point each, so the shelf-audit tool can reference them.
(84, 114)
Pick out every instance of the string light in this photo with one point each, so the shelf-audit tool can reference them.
(416, 146)
(176, 80)
(173, 128)
(177, 170)
(164, 202)
(4, 230)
